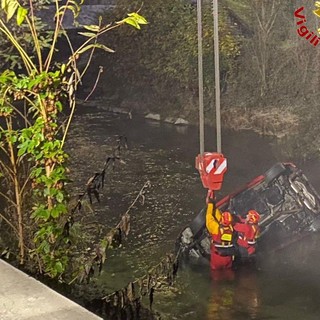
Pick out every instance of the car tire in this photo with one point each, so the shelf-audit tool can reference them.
(198, 223)
(274, 172)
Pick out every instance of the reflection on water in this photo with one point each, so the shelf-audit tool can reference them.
(237, 298)
(284, 286)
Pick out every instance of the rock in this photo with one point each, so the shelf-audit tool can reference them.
(153, 116)
(170, 120)
(120, 110)
(117, 110)
(181, 121)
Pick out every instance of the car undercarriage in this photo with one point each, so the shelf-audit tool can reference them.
(288, 204)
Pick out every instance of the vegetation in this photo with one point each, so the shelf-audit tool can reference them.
(37, 103)
(265, 71)
(265, 67)
(160, 65)
(277, 73)
(9, 57)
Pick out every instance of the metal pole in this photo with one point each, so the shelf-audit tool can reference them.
(200, 77)
(217, 72)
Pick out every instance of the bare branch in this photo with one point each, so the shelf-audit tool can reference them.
(8, 199)
(146, 185)
(95, 84)
(10, 224)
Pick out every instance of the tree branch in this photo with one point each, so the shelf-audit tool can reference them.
(10, 224)
(8, 199)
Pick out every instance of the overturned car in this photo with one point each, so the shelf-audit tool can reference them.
(288, 204)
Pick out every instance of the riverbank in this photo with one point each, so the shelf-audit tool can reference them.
(276, 122)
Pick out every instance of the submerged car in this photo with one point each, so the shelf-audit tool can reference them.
(288, 204)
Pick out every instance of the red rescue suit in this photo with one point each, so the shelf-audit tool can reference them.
(247, 235)
(221, 246)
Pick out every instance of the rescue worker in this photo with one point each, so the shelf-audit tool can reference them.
(220, 227)
(248, 232)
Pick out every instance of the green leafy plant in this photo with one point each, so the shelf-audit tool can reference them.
(33, 131)
(166, 55)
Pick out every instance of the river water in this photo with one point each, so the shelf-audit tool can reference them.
(284, 285)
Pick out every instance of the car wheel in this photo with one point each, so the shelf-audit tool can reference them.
(198, 223)
(274, 172)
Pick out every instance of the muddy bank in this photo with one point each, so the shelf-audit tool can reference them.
(274, 121)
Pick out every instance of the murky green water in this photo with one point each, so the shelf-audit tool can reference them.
(283, 286)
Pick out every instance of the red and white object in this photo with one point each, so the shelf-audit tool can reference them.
(212, 166)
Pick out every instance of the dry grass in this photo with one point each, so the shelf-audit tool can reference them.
(273, 121)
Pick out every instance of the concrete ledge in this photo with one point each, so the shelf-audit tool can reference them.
(24, 298)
